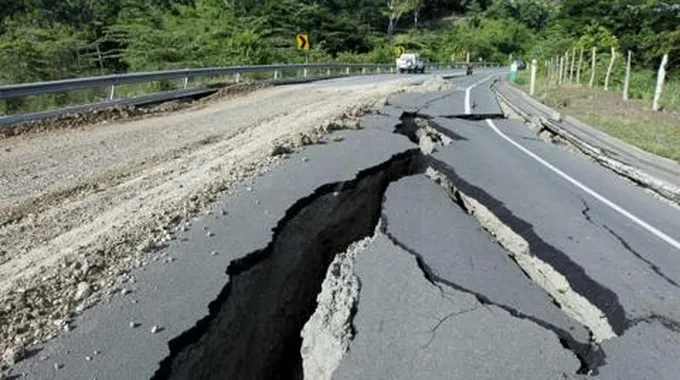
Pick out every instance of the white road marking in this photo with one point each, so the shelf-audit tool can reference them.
(468, 106)
(674, 243)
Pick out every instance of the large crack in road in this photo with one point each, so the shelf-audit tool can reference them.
(289, 310)
(422, 130)
(592, 296)
(253, 329)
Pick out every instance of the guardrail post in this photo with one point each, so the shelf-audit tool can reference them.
(391, 69)
(276, 74)
(112, 92)
(377, 70)
(328, 72)
(347, 71)
(304, 72)
(237, 77)
(363, 70)
(186, 82)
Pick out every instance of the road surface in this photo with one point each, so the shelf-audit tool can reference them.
(438, 241)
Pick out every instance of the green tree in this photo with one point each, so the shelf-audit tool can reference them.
(32, 53)
(533, 13)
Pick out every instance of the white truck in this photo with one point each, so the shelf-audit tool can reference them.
(410, 62)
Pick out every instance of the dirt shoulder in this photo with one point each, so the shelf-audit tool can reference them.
(631, 121)
(80, 208)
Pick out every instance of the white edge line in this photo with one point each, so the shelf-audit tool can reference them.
(468, 106)
(674, 243)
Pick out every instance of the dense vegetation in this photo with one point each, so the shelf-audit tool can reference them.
(46, 39)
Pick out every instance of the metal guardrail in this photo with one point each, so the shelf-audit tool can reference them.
(111, 81)
(66, 85)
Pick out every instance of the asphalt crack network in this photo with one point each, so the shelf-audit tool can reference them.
(584, 299)
(655, 268)
(630, 249)
(443, 320)
(590, 355)
(255, 326)
(586, 210)
(559, 287)
(666, 322)
(603, 315)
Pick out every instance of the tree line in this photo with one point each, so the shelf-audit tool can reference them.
(45, 39)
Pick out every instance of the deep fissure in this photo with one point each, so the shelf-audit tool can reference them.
(600, 296)
(253, 327)
(475, 116)
(416, 127)
(424, 132)
(591, 356)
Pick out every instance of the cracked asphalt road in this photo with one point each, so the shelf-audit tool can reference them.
(448, 283)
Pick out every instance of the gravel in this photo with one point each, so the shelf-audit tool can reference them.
(83, 290)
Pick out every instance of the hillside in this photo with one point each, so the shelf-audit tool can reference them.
(43, 39)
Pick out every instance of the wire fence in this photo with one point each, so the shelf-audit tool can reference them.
(614, 71)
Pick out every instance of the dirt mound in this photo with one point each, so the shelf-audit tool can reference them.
(122, 112)
(435, 84)
(229, 90)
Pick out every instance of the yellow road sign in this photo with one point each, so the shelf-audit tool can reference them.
(302, 40)
(399, 50)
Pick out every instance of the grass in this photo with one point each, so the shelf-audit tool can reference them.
(662, 139)
(632, 121)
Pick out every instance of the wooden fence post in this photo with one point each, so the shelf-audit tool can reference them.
(571, 68)
(566, 68)
(532, 85)
(659, 82)
(626, 82)
(592, 68)
(609, 70)
(559, 71)
(578, 69)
